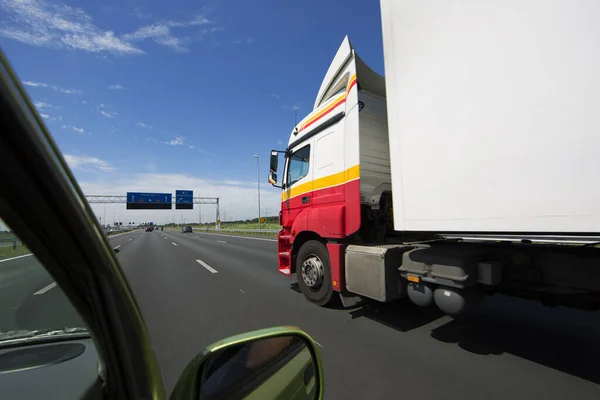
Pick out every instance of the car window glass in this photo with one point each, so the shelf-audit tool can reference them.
(31, 302)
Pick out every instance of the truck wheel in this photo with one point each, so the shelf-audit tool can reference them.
(314, 272)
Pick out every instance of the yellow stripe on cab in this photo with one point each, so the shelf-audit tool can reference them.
(340, 178)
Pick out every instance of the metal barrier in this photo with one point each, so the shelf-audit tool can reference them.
(10, 241)
(251, 230)
(241, 230)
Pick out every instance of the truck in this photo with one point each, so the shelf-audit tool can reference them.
(470, 169)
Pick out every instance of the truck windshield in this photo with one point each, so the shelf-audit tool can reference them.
(298, 165)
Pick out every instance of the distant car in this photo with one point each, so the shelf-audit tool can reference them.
(186, 229)
(148, 229)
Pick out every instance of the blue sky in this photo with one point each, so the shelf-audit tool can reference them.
(156, 96)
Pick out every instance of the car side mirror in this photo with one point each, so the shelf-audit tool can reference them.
(271, 363)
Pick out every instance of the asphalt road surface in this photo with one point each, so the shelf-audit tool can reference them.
(195, 289)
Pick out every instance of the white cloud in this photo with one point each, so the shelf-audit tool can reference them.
(116, 87)
(84, 162)
(49, 118)
(174, 43)
(55, 88)
(106, 41)
(56, 25)
(275, 95)
(160, 33)
(200, 20)
(40, 23)
(108, 114)
(148, 32)
(35, 84)
(41, 105)
(177, 141)
(211, 30)
(139, 13)
(74, 128)
(143, 125)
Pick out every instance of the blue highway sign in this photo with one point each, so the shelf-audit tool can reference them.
(149, 201)
(184, 199)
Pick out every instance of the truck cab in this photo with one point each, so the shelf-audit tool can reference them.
(336, 171)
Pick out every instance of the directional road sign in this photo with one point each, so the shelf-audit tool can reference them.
(184, 199)
(149, 201)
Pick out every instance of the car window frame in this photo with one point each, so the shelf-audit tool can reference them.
(43, 204)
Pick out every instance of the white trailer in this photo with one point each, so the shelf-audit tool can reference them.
(494, 115)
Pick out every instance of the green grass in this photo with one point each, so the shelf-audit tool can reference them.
(8, 251)
(261, 234)
(117, 232)
(253, 225)
(231, 227)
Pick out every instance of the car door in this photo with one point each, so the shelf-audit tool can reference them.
(42, 204)
(298, 182)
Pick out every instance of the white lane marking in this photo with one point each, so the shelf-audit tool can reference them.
(208, 267)
(319, 344)
(174, 244)
(117, 247)
(242, 291)
(221, 241)
(14, 258)
(45, 289)
(165, 238)
(240, 237)
(130, 240)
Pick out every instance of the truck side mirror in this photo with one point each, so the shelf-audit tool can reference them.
(274, 161)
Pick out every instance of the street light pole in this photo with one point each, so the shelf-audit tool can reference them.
(258, 184)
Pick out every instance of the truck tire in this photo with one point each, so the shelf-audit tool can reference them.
(314, 272)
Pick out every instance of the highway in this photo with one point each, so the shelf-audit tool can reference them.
(197, 288)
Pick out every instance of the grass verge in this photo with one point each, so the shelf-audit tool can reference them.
(9, 252)
(233, 232)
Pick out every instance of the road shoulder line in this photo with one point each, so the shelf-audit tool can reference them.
(14, 258)
(45, 289)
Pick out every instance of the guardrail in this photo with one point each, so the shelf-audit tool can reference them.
(248, 230)
(109, 232)
(240, 230)
(10, 242)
